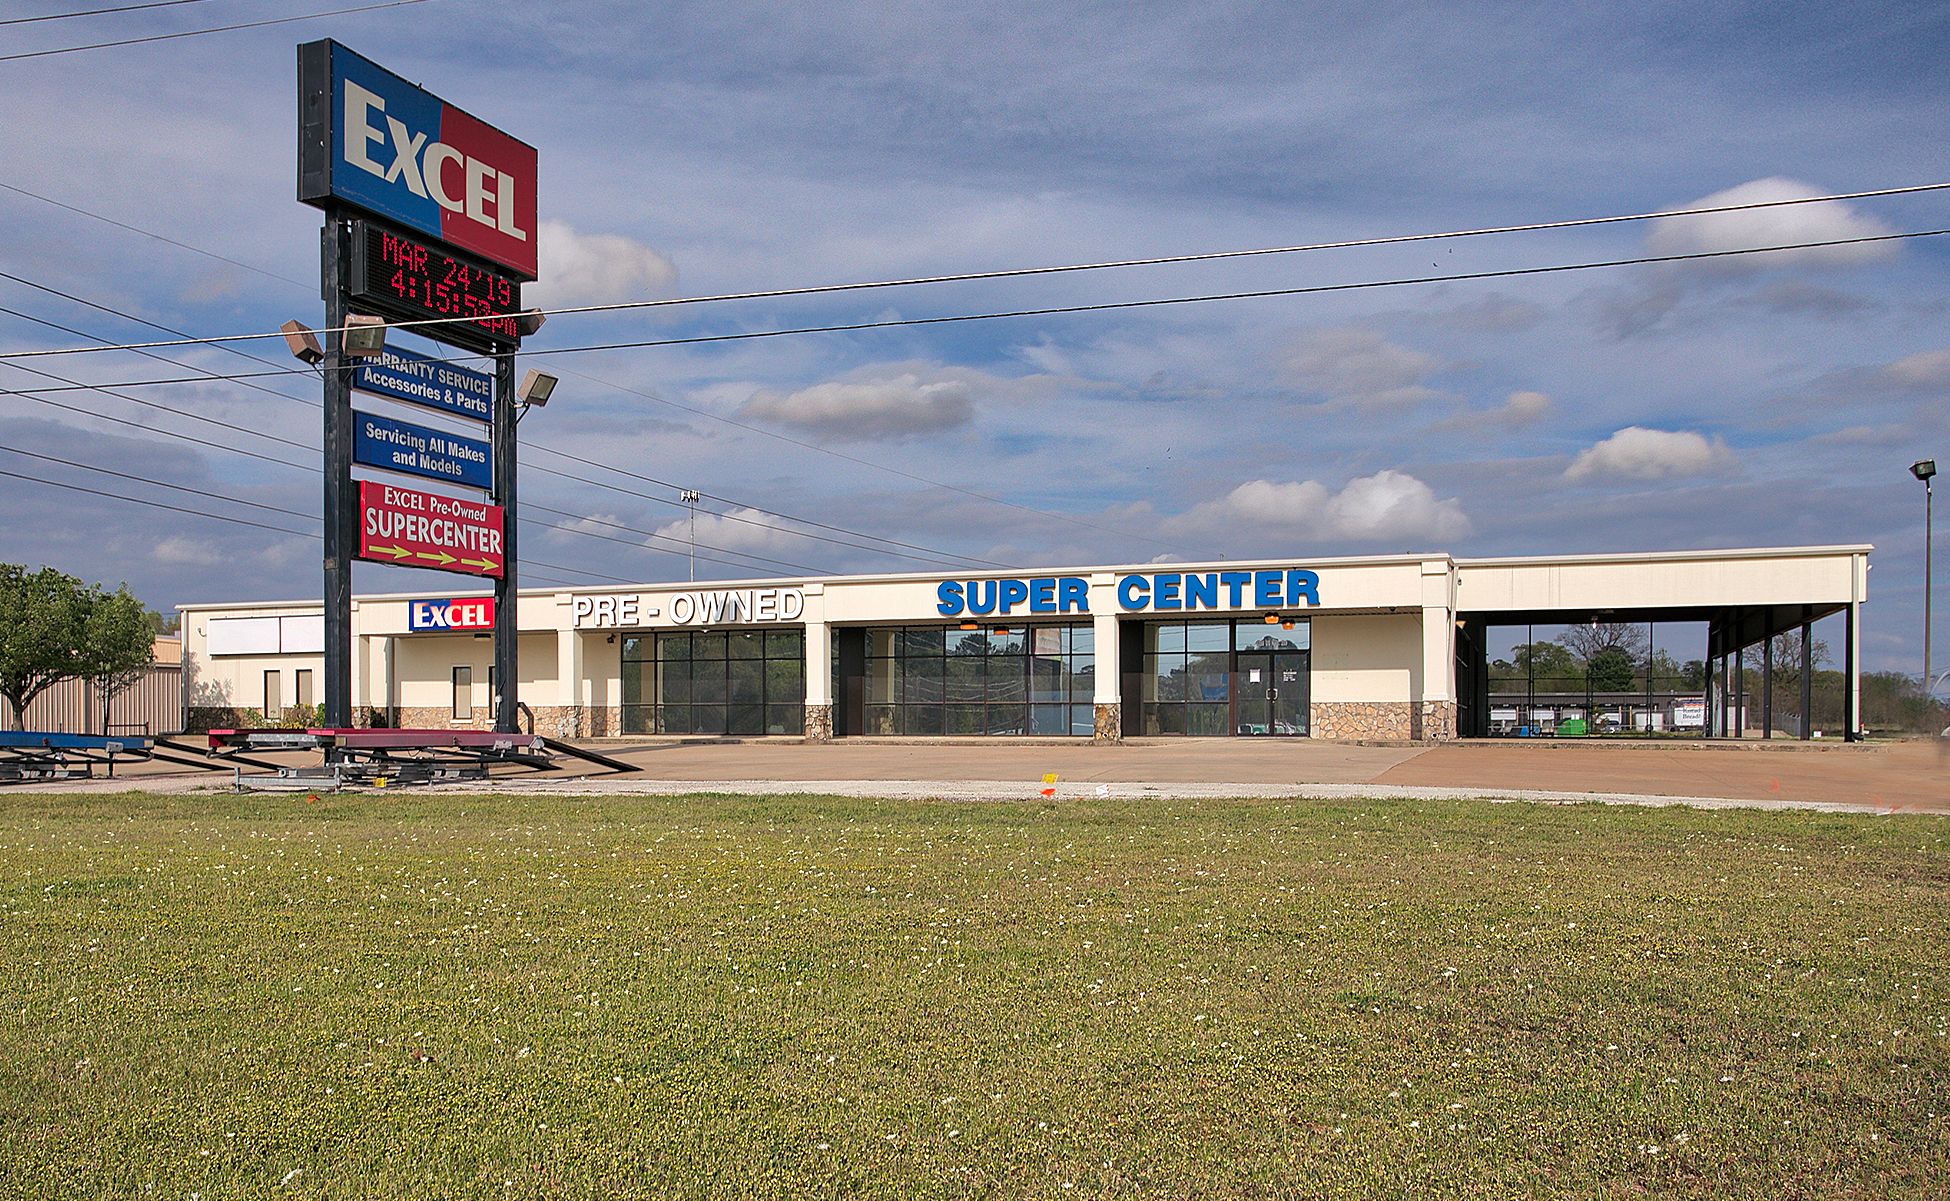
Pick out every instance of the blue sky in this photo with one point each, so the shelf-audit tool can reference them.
(692, 149)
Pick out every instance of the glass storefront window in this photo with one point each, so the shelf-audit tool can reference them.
(998, 680)
(1212, 678)
(743, 682)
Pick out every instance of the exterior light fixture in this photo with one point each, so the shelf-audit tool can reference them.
(1286, 625)
(363, 337)
(1272, 619)
(303, 343)
(530, 321)
(1923, 469)
(969, 625)
(535, 389)
(1000, 633)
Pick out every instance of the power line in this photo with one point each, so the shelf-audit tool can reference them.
(234, 450)
(208, 376)
(1101, 307)
(682, 546)
(27, 392)
(1215, 255)
(192, 33)
(96, 12)
(102, 308)
(679, 543)
(152, 234)
(919, 479)
(942, 556)
(1255, 294)
(156, 504)
(148, 383)
(139, 479)
(153, 504)
(1396, 239)
(286, 463)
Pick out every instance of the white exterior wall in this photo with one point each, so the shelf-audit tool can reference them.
(1801, 575)
(1382, 636)
(1367, 658)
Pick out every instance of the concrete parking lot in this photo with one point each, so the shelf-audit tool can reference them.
(1887, 776)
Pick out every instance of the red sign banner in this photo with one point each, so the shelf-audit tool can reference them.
(410, 528)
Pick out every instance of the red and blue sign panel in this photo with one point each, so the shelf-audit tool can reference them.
(369, 139)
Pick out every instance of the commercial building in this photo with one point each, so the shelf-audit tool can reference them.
(1388, 647)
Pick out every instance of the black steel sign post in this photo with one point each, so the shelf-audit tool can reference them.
(341, 530)
(429, 217)
(505, 628)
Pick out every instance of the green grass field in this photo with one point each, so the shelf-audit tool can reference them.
(428, 995)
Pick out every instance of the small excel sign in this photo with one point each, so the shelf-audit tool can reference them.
(471, 613)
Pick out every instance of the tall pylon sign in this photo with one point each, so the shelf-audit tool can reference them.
(429, 229)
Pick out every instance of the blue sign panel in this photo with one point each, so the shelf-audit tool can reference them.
(415, 449)
(424, 380)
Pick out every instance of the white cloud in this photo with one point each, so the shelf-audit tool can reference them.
(1387, 504)
(1785, 225)
(1360, 366)
(1523, 407)
(896, 407)
(1928, 369)
(1638, 453)
(186, 551)
(580, 269)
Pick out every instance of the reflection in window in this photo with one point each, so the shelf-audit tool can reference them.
(745, 682)
(994, 680)
(1186, 680)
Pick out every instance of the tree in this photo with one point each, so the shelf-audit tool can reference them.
(118, 644)
(1610, 670)
(43, 628)
(163, 624)
(1587, 642)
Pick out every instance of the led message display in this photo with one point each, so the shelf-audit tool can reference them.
(408, 280)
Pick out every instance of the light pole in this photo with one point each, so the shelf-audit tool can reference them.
(689, 497)
(1923, 469)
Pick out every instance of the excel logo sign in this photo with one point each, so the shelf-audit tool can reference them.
(474, 613)
(371, 140)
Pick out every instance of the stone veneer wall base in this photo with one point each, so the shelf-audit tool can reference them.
(1395, 720)
(1109, 729)
(819, 723)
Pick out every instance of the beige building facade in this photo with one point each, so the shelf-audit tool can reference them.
(1387, 647)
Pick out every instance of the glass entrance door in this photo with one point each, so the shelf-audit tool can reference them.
(1269, 692)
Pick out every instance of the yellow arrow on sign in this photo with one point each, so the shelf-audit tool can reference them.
(440, 556)
(398, 552)
(483, 564)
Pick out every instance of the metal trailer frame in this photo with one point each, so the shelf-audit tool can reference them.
(381, 757)
(28, 755)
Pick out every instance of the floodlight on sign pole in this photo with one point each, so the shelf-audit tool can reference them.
(303, 343)
(536, 388)
(363, 337)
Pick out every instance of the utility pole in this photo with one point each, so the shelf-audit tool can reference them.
(1923, 469)
(689, 497)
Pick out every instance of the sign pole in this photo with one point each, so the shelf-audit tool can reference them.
(506, 626)
(340, 530)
